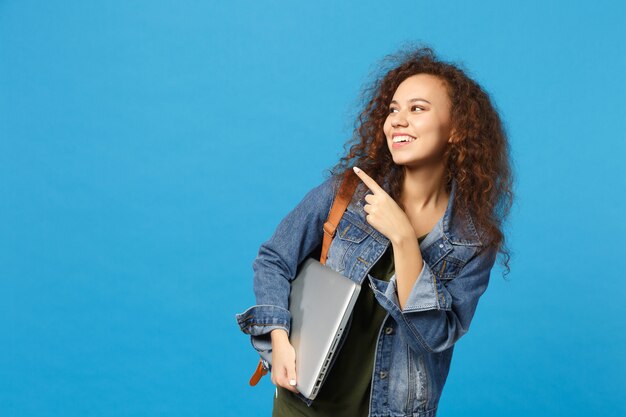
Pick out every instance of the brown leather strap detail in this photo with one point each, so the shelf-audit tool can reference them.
(340, 203)
(258, 373)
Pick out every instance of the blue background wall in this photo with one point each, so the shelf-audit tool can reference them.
(147, 148)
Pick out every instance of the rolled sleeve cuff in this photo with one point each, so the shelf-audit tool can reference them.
(262, 319)
(428, 293)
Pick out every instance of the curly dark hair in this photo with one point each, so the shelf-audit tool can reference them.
(478, 158)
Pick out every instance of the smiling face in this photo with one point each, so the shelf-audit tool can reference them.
(418, 125)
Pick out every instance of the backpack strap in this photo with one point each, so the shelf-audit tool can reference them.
(259, 372)
(341, 201)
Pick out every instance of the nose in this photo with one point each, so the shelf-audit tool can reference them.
(399, 119)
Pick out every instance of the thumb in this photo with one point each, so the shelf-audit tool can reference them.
(291, 373)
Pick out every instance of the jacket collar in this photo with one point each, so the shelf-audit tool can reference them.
(457, 224)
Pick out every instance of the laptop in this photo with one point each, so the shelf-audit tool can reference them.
(320, 303)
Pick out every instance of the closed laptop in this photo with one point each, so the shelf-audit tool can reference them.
(320, 303)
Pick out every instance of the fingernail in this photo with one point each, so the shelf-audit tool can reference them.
(292, 382)
(357, 170)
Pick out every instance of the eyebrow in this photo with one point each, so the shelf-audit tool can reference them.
(413, 100)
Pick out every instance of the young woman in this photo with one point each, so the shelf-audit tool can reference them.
(421, 234)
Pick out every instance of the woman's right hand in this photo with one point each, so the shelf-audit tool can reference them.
(283, 361)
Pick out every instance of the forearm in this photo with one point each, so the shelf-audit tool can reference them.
(408, 263)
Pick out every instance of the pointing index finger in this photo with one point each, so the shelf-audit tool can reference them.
(369, 181)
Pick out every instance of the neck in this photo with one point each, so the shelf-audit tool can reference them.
(424, 188)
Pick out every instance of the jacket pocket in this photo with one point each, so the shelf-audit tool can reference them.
(448, 268)
(348, 236)
(351, 231)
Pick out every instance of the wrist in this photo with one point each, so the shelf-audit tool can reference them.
(403, 239)
(407, 247)
(279, 335)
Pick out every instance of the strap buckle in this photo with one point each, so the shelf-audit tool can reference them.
(330, 229)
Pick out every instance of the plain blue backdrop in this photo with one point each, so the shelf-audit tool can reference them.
(147, 149)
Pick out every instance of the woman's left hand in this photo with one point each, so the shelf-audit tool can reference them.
(383, 213)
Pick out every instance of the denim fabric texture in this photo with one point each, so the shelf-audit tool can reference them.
(415, 344)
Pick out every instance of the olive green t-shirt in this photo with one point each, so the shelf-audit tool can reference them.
(346, 390)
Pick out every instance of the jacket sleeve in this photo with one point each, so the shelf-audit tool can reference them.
(436, 315)
(297, 235)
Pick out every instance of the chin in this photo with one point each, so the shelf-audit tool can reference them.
(408, 162)
(402, 161)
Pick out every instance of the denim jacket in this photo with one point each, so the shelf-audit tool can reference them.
(415, 344)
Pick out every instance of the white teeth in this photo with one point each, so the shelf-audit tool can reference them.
(404, 138)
